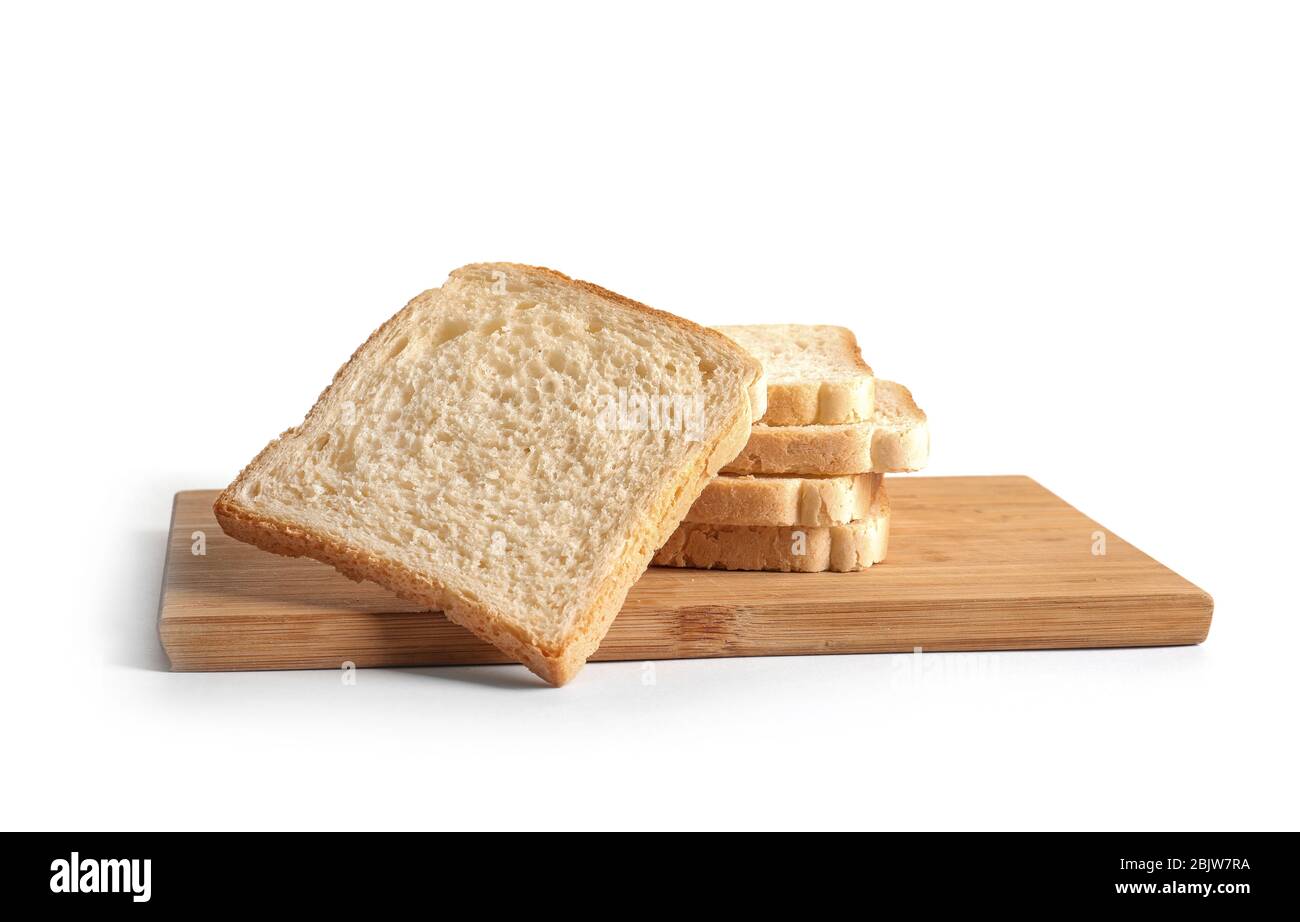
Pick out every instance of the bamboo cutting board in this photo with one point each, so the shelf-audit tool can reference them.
(975, 563)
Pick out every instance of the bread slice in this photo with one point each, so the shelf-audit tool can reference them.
(815, 374)
(897, 438)
(747, 499)
(510, 450)
(799, 549)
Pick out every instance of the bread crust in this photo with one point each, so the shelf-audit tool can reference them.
(554, 663)
(836, 548)
(746, 499)
(883, 445)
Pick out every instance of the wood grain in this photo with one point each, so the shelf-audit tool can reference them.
(975, 563)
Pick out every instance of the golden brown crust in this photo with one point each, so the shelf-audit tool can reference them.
(555, 664)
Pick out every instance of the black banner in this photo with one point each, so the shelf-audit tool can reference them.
(334, 870)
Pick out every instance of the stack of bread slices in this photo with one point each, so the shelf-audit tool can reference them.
(807, 492)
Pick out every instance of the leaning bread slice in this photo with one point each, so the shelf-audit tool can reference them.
(897, 438)
(815, 374)
(747, 499)
(510, 450)
(799, 549)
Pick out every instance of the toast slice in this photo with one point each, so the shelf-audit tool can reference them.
(510, 450)
(797, 549)
(897, 438)
(747, 499)
(815, 374)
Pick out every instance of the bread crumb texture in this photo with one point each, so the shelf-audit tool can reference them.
(465, 456)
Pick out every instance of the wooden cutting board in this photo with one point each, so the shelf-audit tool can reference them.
(975, 563)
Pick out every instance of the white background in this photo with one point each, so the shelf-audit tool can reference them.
(1072, 229)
